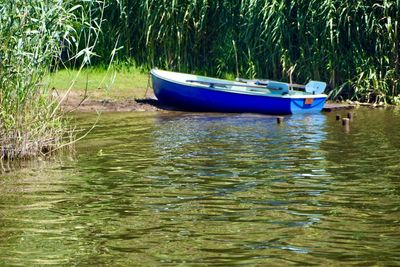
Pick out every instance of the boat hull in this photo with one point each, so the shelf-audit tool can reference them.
(201, 98)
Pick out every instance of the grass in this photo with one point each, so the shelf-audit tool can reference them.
(116, 82)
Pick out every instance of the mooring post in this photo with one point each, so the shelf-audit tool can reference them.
(279, 120)
(345, 121)
(337, 117)
(350, 116)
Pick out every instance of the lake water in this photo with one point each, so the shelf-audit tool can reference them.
(184, 189)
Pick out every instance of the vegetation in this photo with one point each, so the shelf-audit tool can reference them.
(354, 45)
(30, 34)
(116, 81)
(33, 36)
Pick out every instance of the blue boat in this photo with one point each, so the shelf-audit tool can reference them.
(199, 93)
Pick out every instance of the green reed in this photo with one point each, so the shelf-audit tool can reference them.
(353, 45)
(33, 36)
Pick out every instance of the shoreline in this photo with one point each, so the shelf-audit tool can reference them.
(79, 102)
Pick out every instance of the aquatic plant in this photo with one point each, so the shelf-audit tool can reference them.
(34, 34)
(354, 45)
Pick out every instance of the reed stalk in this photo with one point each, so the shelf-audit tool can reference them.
(34, 34)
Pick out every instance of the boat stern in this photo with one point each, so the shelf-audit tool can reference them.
(312, 104)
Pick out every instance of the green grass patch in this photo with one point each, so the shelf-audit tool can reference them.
(117, 83)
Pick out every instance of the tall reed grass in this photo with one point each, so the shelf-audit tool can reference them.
(33, 36)
(354, 45)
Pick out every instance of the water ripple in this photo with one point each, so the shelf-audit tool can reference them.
(218, 189)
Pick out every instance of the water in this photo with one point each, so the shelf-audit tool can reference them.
(211, 189)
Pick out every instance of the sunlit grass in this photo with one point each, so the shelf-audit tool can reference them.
(100, 82)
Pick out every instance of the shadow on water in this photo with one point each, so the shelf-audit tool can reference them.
(194, 188)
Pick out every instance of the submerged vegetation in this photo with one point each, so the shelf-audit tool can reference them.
(353, 45)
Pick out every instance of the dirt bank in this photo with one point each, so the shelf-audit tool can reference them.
(78, 101)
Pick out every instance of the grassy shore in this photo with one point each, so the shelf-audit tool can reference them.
(100, 83)
(113, 89)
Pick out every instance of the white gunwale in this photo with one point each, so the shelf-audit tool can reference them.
(230, 86)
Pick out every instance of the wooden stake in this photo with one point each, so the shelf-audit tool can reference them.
(350, 116)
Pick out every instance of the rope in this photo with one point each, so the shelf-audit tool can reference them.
(148, 85)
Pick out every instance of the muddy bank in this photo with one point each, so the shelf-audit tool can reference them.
(80, 102)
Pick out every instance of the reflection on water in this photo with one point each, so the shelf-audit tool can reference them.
(224, 189)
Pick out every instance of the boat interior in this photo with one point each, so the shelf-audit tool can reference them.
(243, 85)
